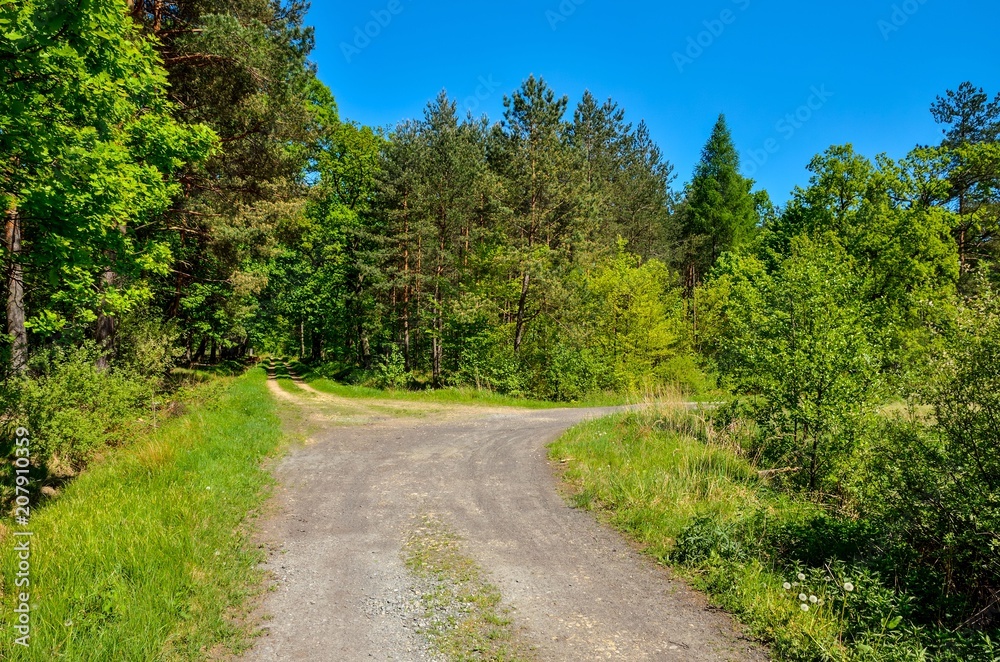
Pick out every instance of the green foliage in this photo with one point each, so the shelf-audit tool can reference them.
(720, 213)
(937, 489)
(900, 246)
(89, 149)
(485, 361)
(74, 410)
(796, 340)
(485, 257)
(683, 488)
(626, 188)
(391, 371)
(241, 68)
(705, 540)
(637, 319)
(318, 280)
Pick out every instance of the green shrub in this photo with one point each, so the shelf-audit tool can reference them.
(934, 485)
(797, 340)
(706, 539)
(391, 371)
(72, 411)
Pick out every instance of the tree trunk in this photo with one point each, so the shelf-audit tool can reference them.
(106, 324)
(522, 302)
(302, 340)
(214, 356)
(406, 287)
(366, 350)
(105, 333)
(200, 354)
(15, 294)
(417, 291)
(521, 306)
(175, 305)
(437, 347)
(317, 346)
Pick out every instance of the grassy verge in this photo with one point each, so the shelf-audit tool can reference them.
(147, 555)
(454, 396)
(464, 614)
(684, 493)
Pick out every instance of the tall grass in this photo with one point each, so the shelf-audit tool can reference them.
(684, 491)
(652, 473)
(147, 555)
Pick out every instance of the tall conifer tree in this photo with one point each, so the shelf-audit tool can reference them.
(721, 212)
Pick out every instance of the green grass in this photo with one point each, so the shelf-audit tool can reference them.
(655, 475)
(453, 396)
(465, 615)
(651, 481)
(147, 555)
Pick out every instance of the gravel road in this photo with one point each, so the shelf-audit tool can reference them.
(348, 498)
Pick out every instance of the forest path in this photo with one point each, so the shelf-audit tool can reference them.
(348, 500)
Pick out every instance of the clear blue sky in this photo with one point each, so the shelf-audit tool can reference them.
(883, 62)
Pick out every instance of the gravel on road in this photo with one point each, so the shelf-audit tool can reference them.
(578, 591)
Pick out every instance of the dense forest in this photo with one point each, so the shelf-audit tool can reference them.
(179, 190)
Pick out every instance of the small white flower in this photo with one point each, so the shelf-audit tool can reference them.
(848, 587)
(787, 586)
(805, 607)
(803, 598)
(801, 577)
(813, 599)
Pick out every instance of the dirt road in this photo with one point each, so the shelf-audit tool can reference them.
(347, 500)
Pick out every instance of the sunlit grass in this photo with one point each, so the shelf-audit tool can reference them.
(652, 473)
(147, 555)
(456, 396)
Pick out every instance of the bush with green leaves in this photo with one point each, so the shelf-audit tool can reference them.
(796, 340)
(391, 371)
(73, 411)
(934, 481)
(485, 364)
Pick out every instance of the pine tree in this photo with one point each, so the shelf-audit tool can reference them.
(541, 185)
(446, 200)
(240, 67)
(626, 180)
(720, 212)
(968, 115)
(971, 126)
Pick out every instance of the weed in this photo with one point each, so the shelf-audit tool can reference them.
(465, 616)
